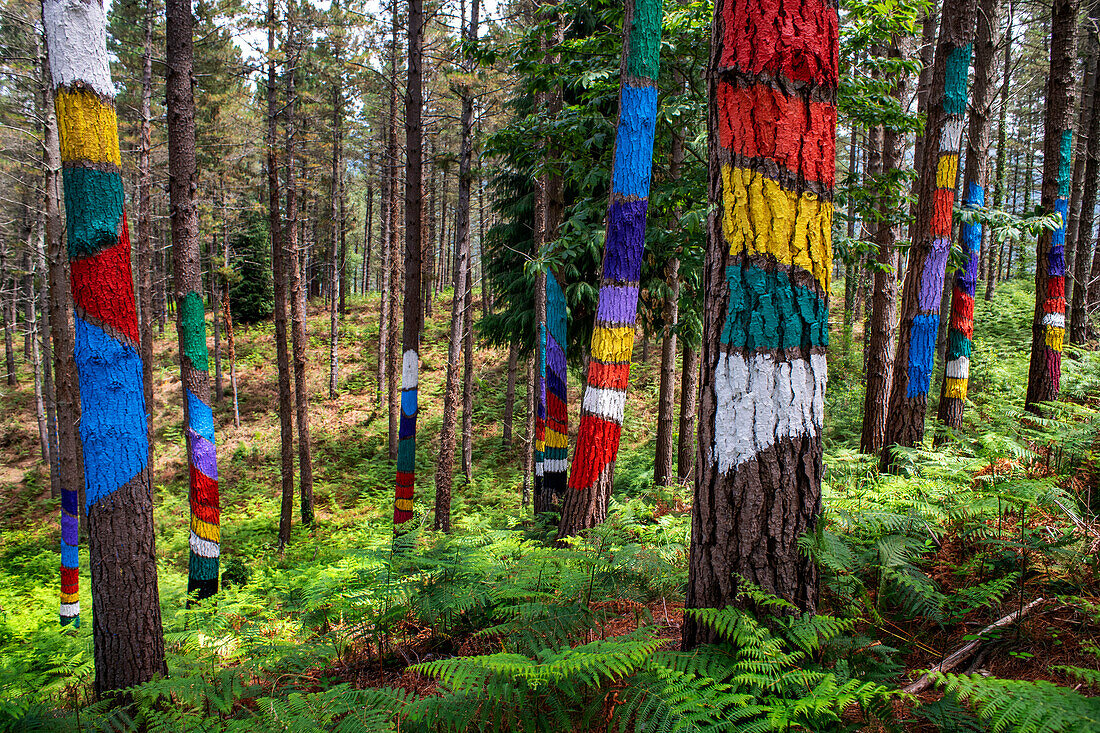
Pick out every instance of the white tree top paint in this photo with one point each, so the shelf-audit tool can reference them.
(762, 401)
(76, 31)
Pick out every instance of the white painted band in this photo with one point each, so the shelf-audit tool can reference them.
(204, 548)
(607, 403)
(761, 401)
(951, 137)
(70, 609)
(556, 465)
(1058, 320)
(76, 33)
(410, 365)
(539, 468)
(958, 368)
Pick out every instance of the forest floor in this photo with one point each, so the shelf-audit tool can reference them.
(908, 589)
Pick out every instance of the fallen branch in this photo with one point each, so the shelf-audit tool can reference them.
(963, 653)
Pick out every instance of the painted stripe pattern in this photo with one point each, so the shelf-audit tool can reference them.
(922, 333)
(113, 427)
(1054, 307)
(556, 442)
(205, 540)
(613, 337)
(776, 132)
(960, 331)
(406, 438)
(540, 410)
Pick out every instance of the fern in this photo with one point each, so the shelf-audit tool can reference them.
(1024, 707)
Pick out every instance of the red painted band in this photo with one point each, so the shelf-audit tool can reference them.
(103, 286)
(943, 201)
(797, 40)
(608, 376)
(597, 445)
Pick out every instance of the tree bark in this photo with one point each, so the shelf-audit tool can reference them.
(386, 265)
(666, 398)
(127, 634)
(510, 396)
(1078, 329)
(689, 405)
(145, 221)
(468, 372)
(956, 371)
(758, 488)
(280, 267)
(1049, 325)
(592, 470)
(994, 266)
(924, 275)
(393, 355)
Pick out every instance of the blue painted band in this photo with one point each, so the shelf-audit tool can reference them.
(634, 141)
(70, 556)
(201, 416)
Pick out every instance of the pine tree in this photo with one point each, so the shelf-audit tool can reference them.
(126, 630)
(765, 321)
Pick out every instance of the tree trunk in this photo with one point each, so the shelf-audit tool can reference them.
(427, 291)
(145, 221)
(604, 401)
(127, 633)
(555, 472)
(228, 317)
(7, 303)
(994, 265)
(510, 395)
(468, 373)
(929, 24)
(529, 427)
(335, 280)
(956, 371)
(543, 501)
(393, 355)
(1078, 329)
(202, 576)
(759, 486)
(1049, 325)
(386, 266)
(280, 266)
(924, 275)
(666, 399)
(413, 311)
(689, 404)
(1084, 117)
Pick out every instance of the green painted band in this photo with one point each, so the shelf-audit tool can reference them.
(193, 331)
(643, 59)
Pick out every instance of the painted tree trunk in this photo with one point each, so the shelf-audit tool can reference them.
(924, 275)
(960, 332)
(1049, 326)
(772, 126)
(279, 267)
(1078, 329)
(205, 542)
(542, 501)
(127, 631)
(880, 331)
(556, 453)
(413, 312)
(604, 400)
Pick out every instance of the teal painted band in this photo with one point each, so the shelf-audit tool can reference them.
(766, 311)
(645, 40)
(193, 331)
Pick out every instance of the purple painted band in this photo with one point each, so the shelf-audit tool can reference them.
(618, 304)
(931, 281)
(555, 357)
(203, 455)
(70, 527)
(625, 241)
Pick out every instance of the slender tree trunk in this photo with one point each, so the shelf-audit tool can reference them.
(468, 372)
(529, 428)
(1084, 117)
(34, 328)
(145, 222)
(604, 402)
(924, 275)
(555, 473)
(427, 292)
(510, 395)
(9, 314)
(368, 238)
(413, 312)
(1078, 329)
(386, 265)
(394, 355)
(543, 501)
(666, 398)
(202, 576)
(127, 634)
(215, 315)
(961, 330)
(884, 301)
(758, 489)
(1002, 153)
(280, 266)
(228, 317)
(336, 280)
(689, 405)
(1049, 326)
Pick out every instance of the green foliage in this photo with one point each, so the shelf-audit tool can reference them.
(1024, 707)
(252, 295)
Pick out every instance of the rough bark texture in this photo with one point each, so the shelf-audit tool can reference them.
(127, 634)
(296, 278)
(542, 500)
(765, 321)
(413, 312)
(145, 219)
(884, 299)
(393, 354)
(1080, 144)
(994, 263)
(205, 538)
(603, 406)
(666, 396)
(1049, 326)
(961, 325)
(336, 290)
(468, 375)
(386, 265)
(1078, 329)
(279, 266)
(689, 405)
(924, 275)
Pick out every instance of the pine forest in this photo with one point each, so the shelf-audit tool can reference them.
(550, 366)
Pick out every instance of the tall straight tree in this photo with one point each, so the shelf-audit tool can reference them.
(444, 475)
(884, 298)
(126, 630)
(145, 219)
(604, 401)
(336, 225)
(923, 288)
(765, 321)
(555, 466)
(413, 315)
(1078, 329)
(960, 332)
(994, 263)
(205, 542)
(278, 257)
(662, 463)
(1049, 325)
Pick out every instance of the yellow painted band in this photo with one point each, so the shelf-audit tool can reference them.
(947, 171)
(540, 445)
(759, 217)
(955, 388)
(555, 439)
(1055, 334)
(613, 344)
(206, 530)
(70, 597)
(88, 128)
(405, 505)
